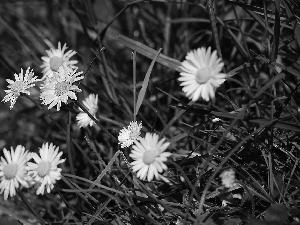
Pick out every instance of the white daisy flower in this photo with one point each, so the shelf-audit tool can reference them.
(128, 135)
(91, 104)
(20, 85)
(228, 178)
(201, 74)
(44, 170)
(13, 172)
(56, 58)
(60, 87)
(149, 156)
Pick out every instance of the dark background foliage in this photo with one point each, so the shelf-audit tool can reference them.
(251, 37)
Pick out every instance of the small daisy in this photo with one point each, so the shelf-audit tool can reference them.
(60, 87)
(228, 178)
(56, 58)
(45, 171)
(13, 172)
(128, 135)
(91, 104)
(149, 156)
(19, 86)
(201, 74)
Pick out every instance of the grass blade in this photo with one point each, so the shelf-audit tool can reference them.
(174, 119)
(276, 31)
(269, 84)
(142, 92)
(149, 52)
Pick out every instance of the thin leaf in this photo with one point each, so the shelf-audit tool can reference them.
(174, 119)
(178, 137)
(93, 184)
(276, 31)
(106, 170)
(240, 68)
(269, 84)
(142, 92)
(149, 52)
(228, 115)
(276, 123)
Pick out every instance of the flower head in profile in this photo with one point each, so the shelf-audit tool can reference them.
(13, 172)
(20, 85)
(201, 74)
(56, 58)
(149, 156)
(91, 104)
(44, 170)
(228, 178)
(128, 135)
(60, 87)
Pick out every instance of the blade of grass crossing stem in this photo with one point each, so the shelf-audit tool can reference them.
(106, 169)
(79, 195)
(92, 146)
(276, 123)
(276, 31)
(149, 52)
(178, 138)
(174, 119)
(142, 92)
(269, 84)
(75, 188)
(293, 21)
(238, 45)
(92, 184)
(134, 83)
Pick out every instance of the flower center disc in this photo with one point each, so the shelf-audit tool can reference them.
(18, 86)
(149, 157)
(43, 168)
(61, 88)
(55, 63)
(203, 75)
(10, 170)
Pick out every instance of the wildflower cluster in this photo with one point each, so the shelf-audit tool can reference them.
(148, 153)
(200, 76)
(19, 168)
(17, 171)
